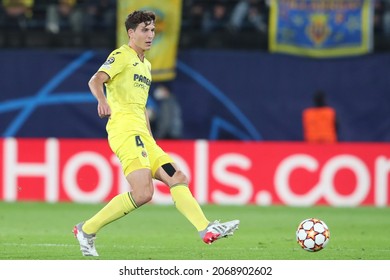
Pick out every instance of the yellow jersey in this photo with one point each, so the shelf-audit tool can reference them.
(127, 89)
(127, 93)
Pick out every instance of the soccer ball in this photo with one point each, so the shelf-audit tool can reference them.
(313, 235)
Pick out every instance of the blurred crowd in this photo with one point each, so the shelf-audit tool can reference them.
(77, 23)
(55, 23)
(225, 15)
(57, 15)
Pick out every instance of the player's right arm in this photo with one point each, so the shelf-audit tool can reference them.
(96, 85)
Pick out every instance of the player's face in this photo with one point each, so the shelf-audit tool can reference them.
(143, 36)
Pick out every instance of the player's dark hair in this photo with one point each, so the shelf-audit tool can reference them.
(138, 17)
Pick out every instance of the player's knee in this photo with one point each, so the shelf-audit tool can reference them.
(180, 177)
(144, 196)
(176, 176)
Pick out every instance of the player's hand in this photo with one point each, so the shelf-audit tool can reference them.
(104, 116)
(104, 110)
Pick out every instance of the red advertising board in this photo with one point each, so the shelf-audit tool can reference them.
(220, 172)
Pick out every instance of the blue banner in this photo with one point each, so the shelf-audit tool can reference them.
(321, 28)
(264, 102)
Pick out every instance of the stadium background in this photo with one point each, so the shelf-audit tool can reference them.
(242, 139)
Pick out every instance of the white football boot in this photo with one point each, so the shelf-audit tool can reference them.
(86, 241)
(217, 230)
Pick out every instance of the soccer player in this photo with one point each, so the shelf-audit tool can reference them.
(126, 77)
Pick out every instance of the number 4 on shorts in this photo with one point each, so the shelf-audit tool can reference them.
(138, 141)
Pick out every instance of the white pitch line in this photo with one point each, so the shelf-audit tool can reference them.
(38, 245)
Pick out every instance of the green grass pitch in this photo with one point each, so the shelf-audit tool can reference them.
(42, 231)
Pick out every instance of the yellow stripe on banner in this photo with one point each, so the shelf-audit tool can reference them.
(163, 53)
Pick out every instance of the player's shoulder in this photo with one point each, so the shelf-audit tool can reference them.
(148, 63)
(120, 55)
(118, 52)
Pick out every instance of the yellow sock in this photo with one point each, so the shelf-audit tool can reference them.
(188, 206)
(116, 208)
